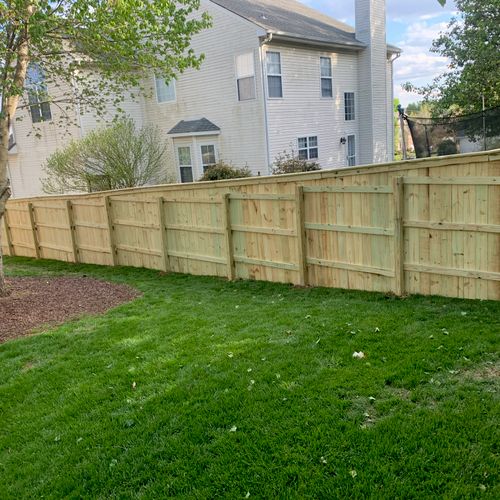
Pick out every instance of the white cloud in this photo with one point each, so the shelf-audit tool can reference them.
(417, 64)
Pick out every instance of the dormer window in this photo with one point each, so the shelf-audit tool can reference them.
(38, 98)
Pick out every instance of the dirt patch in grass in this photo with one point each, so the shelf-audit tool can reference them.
(37, 302)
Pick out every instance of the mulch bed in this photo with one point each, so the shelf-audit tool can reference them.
(37, 302)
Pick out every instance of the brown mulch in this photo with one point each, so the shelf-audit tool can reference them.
(37, 302)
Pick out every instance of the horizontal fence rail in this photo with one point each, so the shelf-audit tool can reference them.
(422, 227)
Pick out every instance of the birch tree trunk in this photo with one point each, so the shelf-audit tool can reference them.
(7, 112)
(4, 189)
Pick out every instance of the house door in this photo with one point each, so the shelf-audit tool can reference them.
(185, 163)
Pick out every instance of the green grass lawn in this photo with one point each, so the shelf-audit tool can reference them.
(250, 389)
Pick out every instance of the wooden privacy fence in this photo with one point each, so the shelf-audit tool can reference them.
(428, 226)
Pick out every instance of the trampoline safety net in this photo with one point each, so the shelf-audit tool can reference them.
(459, 134)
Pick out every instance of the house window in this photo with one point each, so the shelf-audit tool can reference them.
(326, 77)
(351, 150)
(308, 148)
(349, 106)
(12, 138)
(208, 158)
(165, 91)
(245, 75)
(37, 94)
(274, 81)
(185, 163)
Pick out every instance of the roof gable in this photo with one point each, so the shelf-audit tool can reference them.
(194, 127)
(292, 18)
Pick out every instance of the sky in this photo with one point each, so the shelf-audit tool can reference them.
(412, 25)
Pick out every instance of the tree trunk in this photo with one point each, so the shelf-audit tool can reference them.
(4, 188)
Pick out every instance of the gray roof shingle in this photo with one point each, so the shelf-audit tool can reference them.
(288, 17)
(194, 127)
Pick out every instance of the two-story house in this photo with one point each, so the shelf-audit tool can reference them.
(277, 76)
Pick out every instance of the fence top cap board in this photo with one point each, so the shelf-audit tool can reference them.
(394, 166)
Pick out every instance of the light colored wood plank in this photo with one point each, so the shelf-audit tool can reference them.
(350, 229)
(350, 267)
(266, 263)
(195, 229)
(348, 189)
(194, 256)
(163, 234)
(464, 273)
(264, 230)
(34, 230)
(72, 230)
(90, 248)
(228, 231)
(262, 196)
(135, 223)
(144, 251)
(482, 228)
(461, 181)
(398, 208)
(203, 201)
(300, 231)
(111, 229)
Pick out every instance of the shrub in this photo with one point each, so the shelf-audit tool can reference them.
(447, 147)
(290, 163)
(119, 156)
(221, 171)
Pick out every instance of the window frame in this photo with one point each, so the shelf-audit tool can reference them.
(238, 78)
(274, 75)
(351, 158)
(308, 147)
(203, 165)
(191, 166)
(321, 77)
(37, 93)
(350, 117)
(172, 82)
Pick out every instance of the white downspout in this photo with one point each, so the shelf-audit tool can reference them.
(266, 40)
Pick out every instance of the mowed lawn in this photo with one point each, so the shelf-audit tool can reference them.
(207, 389)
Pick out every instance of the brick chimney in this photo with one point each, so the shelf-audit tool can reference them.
(373, 83)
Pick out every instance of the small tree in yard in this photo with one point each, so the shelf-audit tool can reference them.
(112, 158)
(290, 163)
(96, 49)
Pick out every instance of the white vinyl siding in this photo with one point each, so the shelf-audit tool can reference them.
(351, 150)
(165, 91)
(274, 76)
(326, 77)
(349, 106)
(245, 76)
(308, 148)
(185, 163)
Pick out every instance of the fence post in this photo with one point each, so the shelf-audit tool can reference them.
(34, 229)
(8, 234)
(111, 228)
(72, 230)
(226, 217)
(301, 234)
(163, 234)
(398, 205)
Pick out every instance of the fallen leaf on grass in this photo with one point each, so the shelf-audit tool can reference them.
(358, 355)
(233, 428)
(353, 473)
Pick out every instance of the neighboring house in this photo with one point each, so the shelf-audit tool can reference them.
(277, 76)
